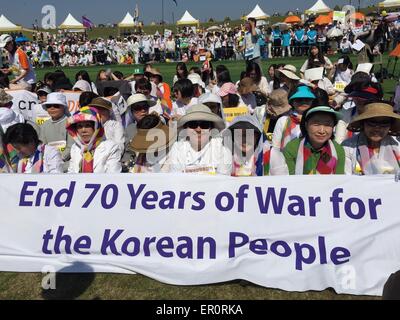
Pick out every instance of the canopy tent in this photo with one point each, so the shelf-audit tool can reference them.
(292, 19)
(319, 7)
(187, 19)
(389, 4)
(257, 13)
(7, 25)
(72, 24)
(127, 22)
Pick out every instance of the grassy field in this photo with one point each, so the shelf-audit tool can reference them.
(102, 286)
(235, 67)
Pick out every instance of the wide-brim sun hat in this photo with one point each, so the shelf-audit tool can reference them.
(148, 140)
(246, 86)
(101, 103)
(376, 110)
(136, 98)
(302, 92)
(201, 112)
(289, 71)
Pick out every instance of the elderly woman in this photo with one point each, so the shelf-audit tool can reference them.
(315, 152)
(374, 150)
(288, 127)
(199, 148)
(27, 154)
(151, 144)
(91, 153)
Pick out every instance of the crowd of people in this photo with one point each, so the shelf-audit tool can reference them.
(325, 118)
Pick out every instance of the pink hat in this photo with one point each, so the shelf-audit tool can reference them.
(227, 88)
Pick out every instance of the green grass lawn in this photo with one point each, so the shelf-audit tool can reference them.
(235, 67)
(103, 286)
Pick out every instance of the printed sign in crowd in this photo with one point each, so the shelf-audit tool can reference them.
(292, 233)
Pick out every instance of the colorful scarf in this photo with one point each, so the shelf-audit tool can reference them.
(387, 161)
(87, 150)
(291, 129)
(327, 161)
(37, 161)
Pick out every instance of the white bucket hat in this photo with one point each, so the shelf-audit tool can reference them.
(55, 98)
(4, 39)
(136, 98)
(82, 85)
(196, 79)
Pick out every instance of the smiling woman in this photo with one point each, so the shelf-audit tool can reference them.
(315, 152)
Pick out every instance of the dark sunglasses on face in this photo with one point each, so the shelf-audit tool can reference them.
(55, 106)
(140, 107)
(379, 124)
(202, 124)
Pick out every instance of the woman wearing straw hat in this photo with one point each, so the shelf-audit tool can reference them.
(199, 148)
(151, 144)
(91, 153)
(374, 150)
(315, 152)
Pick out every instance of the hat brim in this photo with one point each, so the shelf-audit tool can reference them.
(44, 105)
(100, 106)
(289, 74)
(336, 114)
(142, 145)
(356, 124)
(202, 116)
(363, 95)
(151, 103)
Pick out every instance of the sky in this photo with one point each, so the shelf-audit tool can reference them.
(24, 12)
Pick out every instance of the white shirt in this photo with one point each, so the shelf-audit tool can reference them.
(52, 161)
(178, 108)
(115, 132)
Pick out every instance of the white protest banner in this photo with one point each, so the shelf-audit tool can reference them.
(72, 100)
(25, 102)
(292, 233)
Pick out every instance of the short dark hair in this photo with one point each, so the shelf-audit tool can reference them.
(143, 83)
(21, 133)
(185, 87)
(86, 98)
(149, 122)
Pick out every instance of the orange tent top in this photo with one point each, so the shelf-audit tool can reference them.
(323, 20)
(330, 15)
(395, 52)
(358, 16)
(292, 19)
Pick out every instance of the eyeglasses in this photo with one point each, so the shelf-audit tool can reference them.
(202, 124)
(379, 124)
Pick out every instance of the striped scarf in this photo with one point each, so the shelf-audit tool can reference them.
(87, 149)
(37, 161)
(327, 162)
(386, 161)
(289, 131)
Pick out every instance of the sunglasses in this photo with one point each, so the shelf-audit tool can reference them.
(379, 124)
(140, 107)
(55, 106)
(196, 124)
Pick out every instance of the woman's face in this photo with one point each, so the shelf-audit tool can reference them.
(320, 128)
(140, 110)
(314, 51)
(9, 46)
(377, 129)
(302, 105)
(253, 75)
(25, 150)
(85, 130)
(271, 72)
(103, 76)
(246, 141)
(199, 133)
(180, 71)
(55, 111)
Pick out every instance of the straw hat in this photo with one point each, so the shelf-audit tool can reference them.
(246, 86)
(201, 112)
(289, 71)
(136, 98)
(376, 110)
(101, 103)
(149, 140)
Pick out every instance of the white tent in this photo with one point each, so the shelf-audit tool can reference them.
(187, 19)
(7, 25)
(319, 7)
(127, 22)
(71, 23)
(257, 13)
(389, 4)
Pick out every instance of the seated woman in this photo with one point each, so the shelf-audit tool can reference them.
(199, 148)
(375, 150)
(245, 140)
(315, 152)
(28, 154)
(287, 128)
(151, 144)
(91, 153)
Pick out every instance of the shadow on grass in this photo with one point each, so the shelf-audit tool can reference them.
(70, 285)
